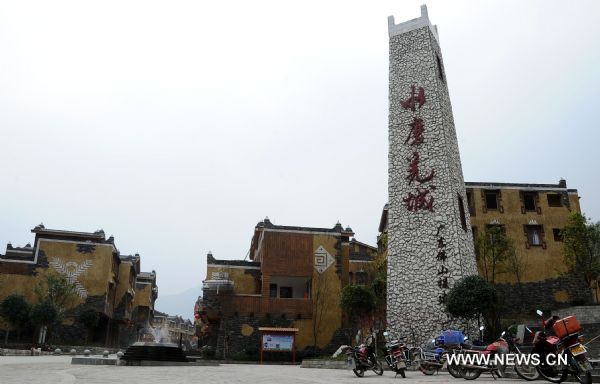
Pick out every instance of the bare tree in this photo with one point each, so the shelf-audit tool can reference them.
(493, 248)
(321, 289)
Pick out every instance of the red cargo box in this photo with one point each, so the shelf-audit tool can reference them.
(567, 326)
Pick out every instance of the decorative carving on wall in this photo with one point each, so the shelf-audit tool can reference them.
(86, 248)
(323, 259)
(71, 270)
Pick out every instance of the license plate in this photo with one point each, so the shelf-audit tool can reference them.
(578, 349)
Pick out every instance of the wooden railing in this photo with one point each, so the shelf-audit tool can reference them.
(260, 306)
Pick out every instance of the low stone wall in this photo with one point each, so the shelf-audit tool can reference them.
(547, 295)
(323, 363)
(22, 352)
(588, 314)
(65, 350)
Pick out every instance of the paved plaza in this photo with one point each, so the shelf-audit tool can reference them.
(58, 370)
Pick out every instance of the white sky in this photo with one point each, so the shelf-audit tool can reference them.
(176, 126)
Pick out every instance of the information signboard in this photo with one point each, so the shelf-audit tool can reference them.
(277, 342)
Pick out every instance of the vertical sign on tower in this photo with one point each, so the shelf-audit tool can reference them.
(430, 245)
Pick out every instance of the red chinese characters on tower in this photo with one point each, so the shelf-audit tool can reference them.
(421, 198)
(413, 170)
(413, 100)
(416, 132)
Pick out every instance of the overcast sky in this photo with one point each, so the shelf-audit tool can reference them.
(176, 126)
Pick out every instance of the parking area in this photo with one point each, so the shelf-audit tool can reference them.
(58, 370)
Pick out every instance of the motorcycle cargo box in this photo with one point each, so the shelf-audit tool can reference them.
(450, 337)
(567, 326)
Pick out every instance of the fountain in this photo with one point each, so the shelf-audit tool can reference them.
(153, 346)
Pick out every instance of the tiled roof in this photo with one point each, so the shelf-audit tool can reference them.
(266, 223)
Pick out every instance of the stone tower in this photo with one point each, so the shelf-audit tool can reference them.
(430, 240)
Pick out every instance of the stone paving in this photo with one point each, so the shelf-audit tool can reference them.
(58, 370)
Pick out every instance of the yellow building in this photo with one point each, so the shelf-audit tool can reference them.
(175, 329)
(293, 279)
(103, 280)
(146, 293)
(531, 215)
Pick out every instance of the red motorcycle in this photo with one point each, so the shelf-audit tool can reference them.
(362, 358)
(479, 359)
(564, 348)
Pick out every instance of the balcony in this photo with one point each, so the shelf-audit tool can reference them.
(260, 306)
(219, 286)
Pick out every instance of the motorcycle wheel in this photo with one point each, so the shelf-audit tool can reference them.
(527, 372)
(582, 370)
(360, 372)
(454, 370)
(428, 371)
(552, 373)
(378, 368)
(469, 374)
(401, 372)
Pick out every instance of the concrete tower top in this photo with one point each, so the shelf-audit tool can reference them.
(420, 22)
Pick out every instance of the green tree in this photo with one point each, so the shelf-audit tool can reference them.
(44, 315)
(492, 249)
(57, 296)
(581, 240)
(58, 291)
(89, 318)
(472, 297)
(379, 288)
(358, 303)
(14, 309)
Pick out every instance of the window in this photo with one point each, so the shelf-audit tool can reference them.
(285, 292)
(361, 277)
(535, 236)
(491, 228)
(491, 199)
(557, 234)
(529, 201)
(470, 202)
(273, 290)
(440, 69)
(554, 200)
(474, 231)
(461, 210)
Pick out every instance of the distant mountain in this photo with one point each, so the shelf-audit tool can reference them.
(181, 304)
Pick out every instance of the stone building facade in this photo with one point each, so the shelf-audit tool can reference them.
(104, 282)
(293, 279)
(430, 242)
